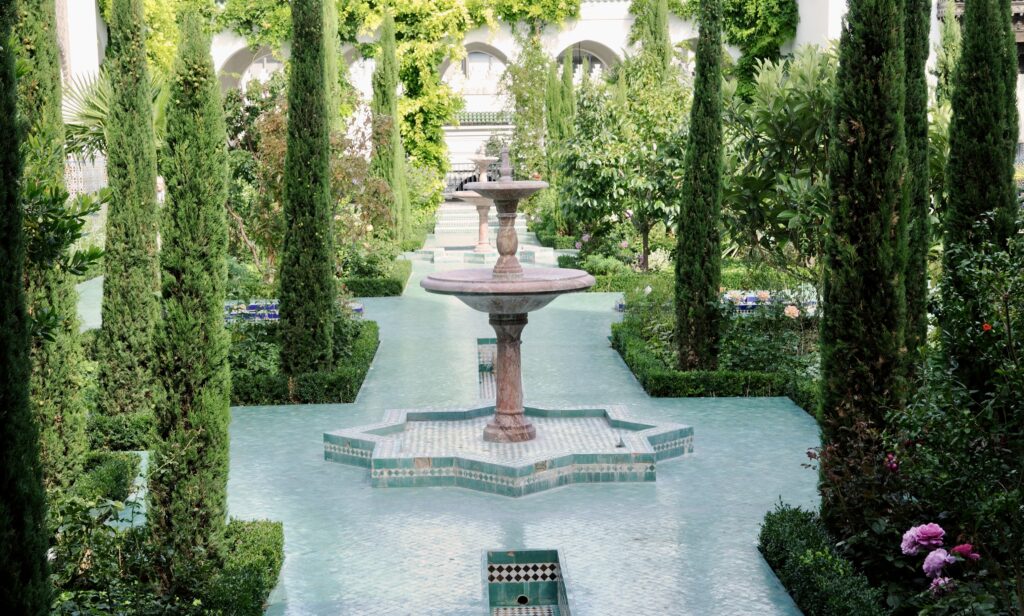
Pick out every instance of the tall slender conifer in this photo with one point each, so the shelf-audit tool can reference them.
(24, 579)
(188, 483)
(698, 254)
(308, 288)
(862, 331)
(57, 359)
(918, 14)
(388, 159)
(130, 306)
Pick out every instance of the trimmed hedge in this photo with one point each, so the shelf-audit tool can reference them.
(555, 241)
(658, 380)
(123, 432)
(339, 385)
(822, 583)
(253, 555)
(108, 475)
(390, 286)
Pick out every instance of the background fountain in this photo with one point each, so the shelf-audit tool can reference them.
(483, 204)
(507, 293)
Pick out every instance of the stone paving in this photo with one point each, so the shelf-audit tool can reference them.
(685, 544)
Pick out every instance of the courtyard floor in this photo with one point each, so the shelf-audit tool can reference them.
(683, 545)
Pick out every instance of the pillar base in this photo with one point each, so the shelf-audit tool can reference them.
(514, 432)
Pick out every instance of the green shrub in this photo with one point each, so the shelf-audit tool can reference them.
(568, 261)
(659, 380)
(122, 432)
(746, 276)
(390, 285)
(600, 265)
(108, 475)
(822, 583)
(264, 387)
(253, 555)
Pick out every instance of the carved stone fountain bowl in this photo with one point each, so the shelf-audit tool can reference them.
(481, 290)
(503, 190)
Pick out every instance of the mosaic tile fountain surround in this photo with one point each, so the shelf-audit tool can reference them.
(418, 448)
(682, 545)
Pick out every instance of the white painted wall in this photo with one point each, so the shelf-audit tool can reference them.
(87, 37)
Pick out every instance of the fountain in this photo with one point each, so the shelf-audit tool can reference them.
(483, 204)
(507, 293)
(498, 449)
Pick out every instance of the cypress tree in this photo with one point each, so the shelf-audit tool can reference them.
(57, 359)
(862, 331)
(308, 290)
(388, 160)
(1006, 217)
(947, 53)
(24, 579)
(918, 14)
(981, 191)
(651, 30)
(698, 267)
(130, 308)
(188, 484)
(553, 107)
(568, 93)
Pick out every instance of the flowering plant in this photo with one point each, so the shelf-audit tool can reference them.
(932, 536)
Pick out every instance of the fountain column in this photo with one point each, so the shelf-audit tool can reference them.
(507, 266)
(482, 208)
(509, 424)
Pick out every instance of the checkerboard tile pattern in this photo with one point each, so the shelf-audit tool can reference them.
(422, 448)
(524, 572)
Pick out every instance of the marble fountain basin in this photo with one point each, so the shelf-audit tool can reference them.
(481, 290)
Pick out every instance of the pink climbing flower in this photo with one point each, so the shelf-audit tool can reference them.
(925, 536)
(965, 551)
(578, 245)
(585, 238)
(940, 585)
(623, 244)
(936, 561)
(763, 296)
(791, 311)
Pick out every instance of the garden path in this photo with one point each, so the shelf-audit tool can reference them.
(684, 545)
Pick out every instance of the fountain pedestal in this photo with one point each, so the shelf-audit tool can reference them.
(509, 424)
(507, 293)
(483, 205)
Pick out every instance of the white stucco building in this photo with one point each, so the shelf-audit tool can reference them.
(599, 34)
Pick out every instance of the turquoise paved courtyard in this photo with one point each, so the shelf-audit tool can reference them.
(682, 545)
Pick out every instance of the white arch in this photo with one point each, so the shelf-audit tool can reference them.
(602, 52)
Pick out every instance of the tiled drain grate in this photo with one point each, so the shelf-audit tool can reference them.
(528, 610)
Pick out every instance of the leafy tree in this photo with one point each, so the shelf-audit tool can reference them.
(56, 358)
(982, 198)
(698, 266)
(656, 108)
(918, 14)
(775, 194)
(24, 579)
(307, 290)
(525, 84)
(592, 162)
(130, 309)
(388, 159)
(188, 484)
(865, 258)
(947, 53)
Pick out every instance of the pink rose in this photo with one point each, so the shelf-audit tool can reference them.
(940, 585)
(965, 551)
(935, 561)
(925, 536)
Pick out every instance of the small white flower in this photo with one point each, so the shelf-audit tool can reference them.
(647, 290)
